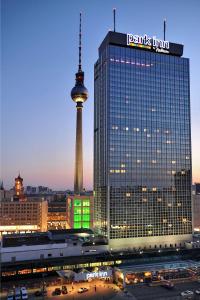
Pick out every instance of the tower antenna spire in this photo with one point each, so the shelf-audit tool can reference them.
(164, 29)
(114, 11)
(80, 45)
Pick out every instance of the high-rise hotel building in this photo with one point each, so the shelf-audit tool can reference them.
(142, 142)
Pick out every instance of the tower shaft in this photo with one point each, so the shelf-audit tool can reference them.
(78, 178)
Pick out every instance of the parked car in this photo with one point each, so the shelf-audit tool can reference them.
(24, 294)
(187, 293)
(56, 292)
(38, 294)
(64, 289)
(11, 295)
(83, 290)
(197, 292)
(17, 294)
(167, 284)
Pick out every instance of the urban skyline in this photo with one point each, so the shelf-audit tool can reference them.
(38, 126)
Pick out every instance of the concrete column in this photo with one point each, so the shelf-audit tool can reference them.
(78, 176)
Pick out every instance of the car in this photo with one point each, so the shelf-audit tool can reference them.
(82, 290)
(197, 292)
(17, 294)
(167, 284)
(10, 295)
(38, 294)
(187, 293)
(64, 290)
(57, 291)
(24, 294)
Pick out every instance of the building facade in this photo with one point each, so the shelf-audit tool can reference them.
(57, 214)
(80, 211)
(142, 142)
(23, 216)
(196, 212)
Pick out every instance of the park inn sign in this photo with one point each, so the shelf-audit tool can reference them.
(148, 42)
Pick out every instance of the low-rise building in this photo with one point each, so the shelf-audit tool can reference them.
(22, 216)
(196, 212)
(57, 215)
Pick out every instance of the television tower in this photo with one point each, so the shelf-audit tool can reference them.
(79, 95)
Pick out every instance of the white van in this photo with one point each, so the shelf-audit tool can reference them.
(17, 294)
(11, 295)
(24, 293)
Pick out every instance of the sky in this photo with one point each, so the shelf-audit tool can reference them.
(39, 59)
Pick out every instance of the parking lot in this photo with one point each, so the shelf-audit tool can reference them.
(97, 289)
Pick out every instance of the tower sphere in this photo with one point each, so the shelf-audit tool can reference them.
(79, 93)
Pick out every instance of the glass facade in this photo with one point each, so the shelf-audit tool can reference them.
(142, 143)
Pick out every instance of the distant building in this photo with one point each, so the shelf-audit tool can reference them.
(196, 189)
(22, 216)
(2, 191)
(19, 189)
(43, 190)
(57, 215)
(80, 211)
(196, 212)
(30, 190)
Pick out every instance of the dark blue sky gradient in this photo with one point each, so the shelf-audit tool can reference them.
(39, 61)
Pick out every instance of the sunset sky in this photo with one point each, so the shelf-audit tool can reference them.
(39, 62)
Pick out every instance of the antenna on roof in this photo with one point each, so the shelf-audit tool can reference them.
(114, 10)
(164, 28)
(80, 35)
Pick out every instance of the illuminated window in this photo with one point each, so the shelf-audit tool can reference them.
(77, 210)
(86, 202)
(77, 224)
(77, 218)
(144, 189)
(86, 217)
(86, 224)
(128, 194)
(77, 202)
(153, 161)
(138, 161)
(86, 210)
(173, 162)
(123, 165)
(154, 189)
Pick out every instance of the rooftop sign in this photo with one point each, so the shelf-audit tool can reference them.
(148, 42)
(143, 42)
